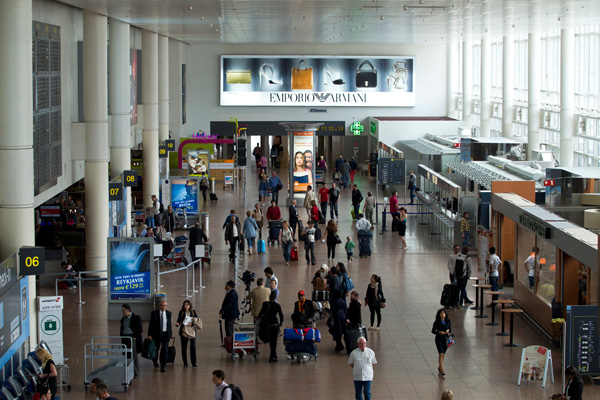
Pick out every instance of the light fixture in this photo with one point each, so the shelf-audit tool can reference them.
(432, 8)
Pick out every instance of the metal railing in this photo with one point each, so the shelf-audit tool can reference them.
(187, 274)
(79, 280)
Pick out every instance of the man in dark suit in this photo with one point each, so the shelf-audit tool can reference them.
(160, 331)
(293, 220)
(304, 310)
(197, 237)
(131, 325)
(229, 309)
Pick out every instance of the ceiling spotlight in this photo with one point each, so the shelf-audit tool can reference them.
(352, 29)
(202, 18)
(381, 17)
(363, 25)
(217, 30)
(190, 8)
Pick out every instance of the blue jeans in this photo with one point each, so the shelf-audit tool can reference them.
(71, 281)
(494, 283)
(324, 209)
(462, 287)
(364, 387)
(346, 179)
(466, 239)
(287, 251)
(412, 194)
(275, 195)
(350, 254)
(356, 210)
(250, 241)
(531, 282)
(333, 207)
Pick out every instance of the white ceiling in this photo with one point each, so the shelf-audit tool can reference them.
(342, 21)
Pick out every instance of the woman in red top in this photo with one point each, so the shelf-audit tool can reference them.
(314, 212)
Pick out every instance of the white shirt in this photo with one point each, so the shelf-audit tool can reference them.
(219, 389)
(362, 362)
(235, 231)
(494, 264)
(363, 224)
(452, 262)
(530, 264)
(163, 320)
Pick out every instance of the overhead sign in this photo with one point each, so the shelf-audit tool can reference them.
(536, 227)
(317, 81)
(391, 171)
(549, 182)
(357, 128)
(32, 261)
(50, 325)
(130, 178)
(115, 191)
(170, 145)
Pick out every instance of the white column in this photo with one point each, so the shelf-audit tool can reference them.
(119, 105)
(163, 88)
(95, 105)
(534, 76)
(150, 102)
(16, 137)
(508, 85)
(567, 95)
(452, 61)
(486, 85)
(467, 81)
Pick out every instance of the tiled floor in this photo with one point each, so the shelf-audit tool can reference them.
(478, 366)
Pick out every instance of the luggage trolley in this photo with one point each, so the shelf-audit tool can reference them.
(301, 342)
(243, 342)
(110, 360)
(228, 181)
(319, 177)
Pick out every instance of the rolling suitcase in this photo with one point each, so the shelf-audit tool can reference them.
(294, 254)
(213, 197)
(171, 352)
(351, 336)
(364, 246)
(449, 296)
(261, 246)
(318, 235)
(353, 214)
(300, 347)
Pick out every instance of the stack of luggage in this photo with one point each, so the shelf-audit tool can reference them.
(301, 342)
(365, 242)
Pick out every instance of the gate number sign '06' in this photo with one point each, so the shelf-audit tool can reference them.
(32, 261)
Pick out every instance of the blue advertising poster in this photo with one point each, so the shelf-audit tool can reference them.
(130, 269)
(184, 193)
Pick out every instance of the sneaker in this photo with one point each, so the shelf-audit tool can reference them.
(322, 240)
(468, 302)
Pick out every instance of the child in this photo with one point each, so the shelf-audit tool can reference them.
(349, 246)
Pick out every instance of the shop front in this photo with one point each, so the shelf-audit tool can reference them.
(555, 262)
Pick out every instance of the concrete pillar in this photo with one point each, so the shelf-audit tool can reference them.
(119, 105)
(150, 102)
(534, 79)
(163, 88)
(95, 105)
(452, 61)
(486, 85)
(467, 81)
(16, 137)
(567, 95)
(508, 85)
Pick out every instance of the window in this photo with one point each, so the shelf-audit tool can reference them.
(550, 84)
(520, 65)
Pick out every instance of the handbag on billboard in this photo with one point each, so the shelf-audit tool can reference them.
(239, 77)
(366, 78)
(302, 78)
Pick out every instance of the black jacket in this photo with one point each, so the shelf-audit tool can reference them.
(181, 317)
(269, 313)
(309, 309)
(293, 213)
(136, 326)
(575, 390)
(372, 298)
(229, 308)
(229, 231)
(354, 314)
(154, 329)
(197, 236)
(438, 326)
(356, 197)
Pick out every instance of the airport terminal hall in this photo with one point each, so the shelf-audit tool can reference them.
(299, 199)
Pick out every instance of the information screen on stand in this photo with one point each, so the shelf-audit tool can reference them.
(391, 171)
(583, 346)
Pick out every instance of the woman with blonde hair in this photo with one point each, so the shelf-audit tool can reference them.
(48, 369)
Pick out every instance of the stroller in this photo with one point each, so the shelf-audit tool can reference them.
(337, 178)
(274, 229)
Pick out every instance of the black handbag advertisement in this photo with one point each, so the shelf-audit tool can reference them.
(317, 81)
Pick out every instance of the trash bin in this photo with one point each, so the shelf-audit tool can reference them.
(158, 297)
(212, 184)
(204, 223)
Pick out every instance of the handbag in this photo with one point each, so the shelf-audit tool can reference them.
(302, 79)
(149, 349)
(239, 77)
(189, 331)
(450, 341)
(366, 78)
(338, 240)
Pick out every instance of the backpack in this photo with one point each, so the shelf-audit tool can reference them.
(161, 208)
(236, 392)
(204, 182)
(459, 267)
(347, 284)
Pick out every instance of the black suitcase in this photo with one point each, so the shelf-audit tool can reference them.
(171, 352)
(364, 246)
(277, 164)
(213, 197)
(318, 235)
(395, 225)
(300, 347)
(351, 337)
(320, 295)
(449, 296)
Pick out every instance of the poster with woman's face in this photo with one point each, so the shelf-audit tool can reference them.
(198, 162)
(303, 160)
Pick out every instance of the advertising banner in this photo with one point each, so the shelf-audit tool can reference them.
(303, 160)
(534, 364)
(184, 193)
(198, 162)
(50, 328)
(317, 81)
(130, 269)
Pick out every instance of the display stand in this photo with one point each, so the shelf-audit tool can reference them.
(530, 369)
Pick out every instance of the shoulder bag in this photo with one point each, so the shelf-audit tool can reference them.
(450, 340)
